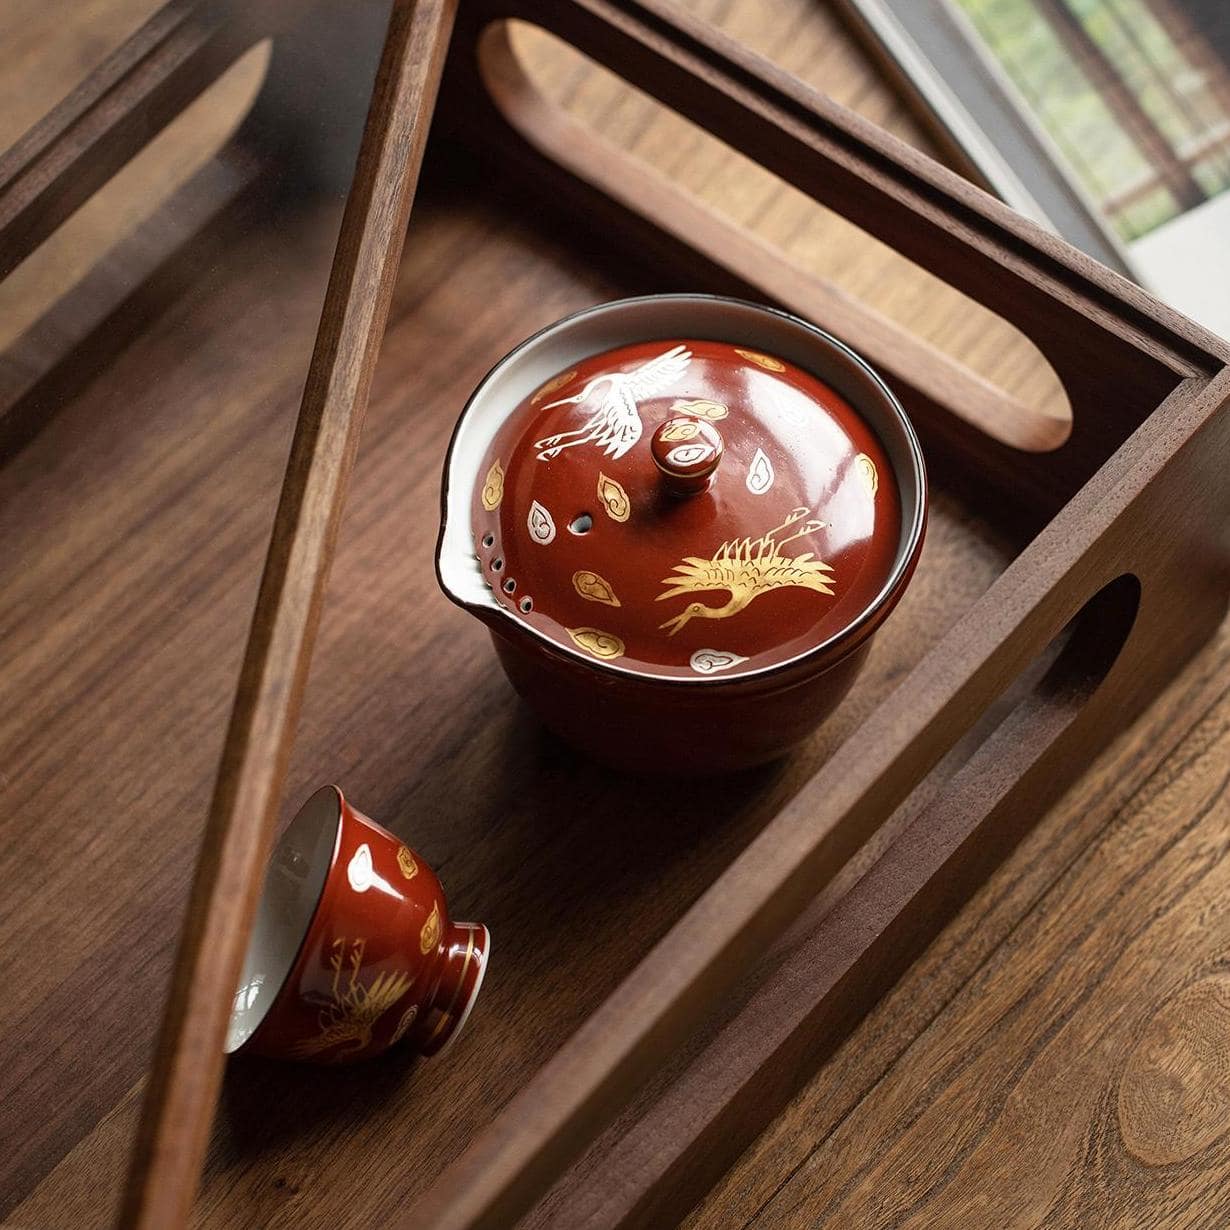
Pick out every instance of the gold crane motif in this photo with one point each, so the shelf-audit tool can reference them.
(747, 568)
(347, 1020)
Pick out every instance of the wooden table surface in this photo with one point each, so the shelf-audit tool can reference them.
(1061, 1054)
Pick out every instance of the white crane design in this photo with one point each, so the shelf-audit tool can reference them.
(616, 423)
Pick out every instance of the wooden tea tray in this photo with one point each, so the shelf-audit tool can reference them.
(156, 421)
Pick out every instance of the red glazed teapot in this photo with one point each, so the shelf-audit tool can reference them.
(682, 518)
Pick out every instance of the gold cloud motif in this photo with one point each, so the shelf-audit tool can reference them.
(679, 431)
(429, 936)
(604, 645)
(700, 408)
(493, 486)
(769, 363)
(407, 1019)
(614, 498)
(867, 472)
(594, 587)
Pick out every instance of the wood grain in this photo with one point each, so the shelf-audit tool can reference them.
(143, 512)
(625, 1179)
(1074, 1078)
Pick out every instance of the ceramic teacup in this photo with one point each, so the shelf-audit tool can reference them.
(352, 949)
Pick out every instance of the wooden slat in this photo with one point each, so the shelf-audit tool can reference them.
(186, 1072)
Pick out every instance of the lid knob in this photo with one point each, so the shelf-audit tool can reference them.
(687, 451)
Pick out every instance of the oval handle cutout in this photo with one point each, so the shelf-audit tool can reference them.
(824, 268)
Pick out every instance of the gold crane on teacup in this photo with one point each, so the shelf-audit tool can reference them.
(747, 568)
(347, 1020)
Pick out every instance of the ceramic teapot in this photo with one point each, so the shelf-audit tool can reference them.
(682, 518)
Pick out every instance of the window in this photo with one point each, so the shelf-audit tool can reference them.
(1129, 90)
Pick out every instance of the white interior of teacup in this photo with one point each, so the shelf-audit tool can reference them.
(293, 885)
(627, 321)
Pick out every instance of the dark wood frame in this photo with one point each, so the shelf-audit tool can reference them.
(1130, 556)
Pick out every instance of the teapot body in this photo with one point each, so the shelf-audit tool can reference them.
(651, 728)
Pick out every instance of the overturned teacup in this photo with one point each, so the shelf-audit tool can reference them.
(352, 949)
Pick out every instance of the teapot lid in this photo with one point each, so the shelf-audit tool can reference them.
(685, 508)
